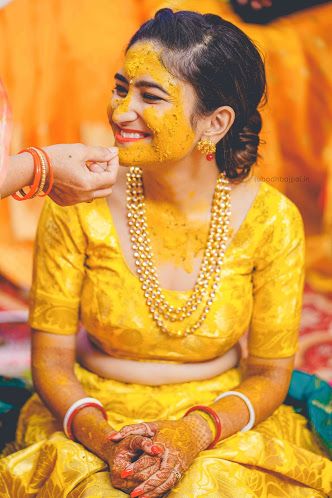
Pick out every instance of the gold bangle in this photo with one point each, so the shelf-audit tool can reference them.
(44, 165)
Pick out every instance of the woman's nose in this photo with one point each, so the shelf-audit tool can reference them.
(125, 111)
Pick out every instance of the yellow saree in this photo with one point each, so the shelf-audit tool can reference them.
(278, 458)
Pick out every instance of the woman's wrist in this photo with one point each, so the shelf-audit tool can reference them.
(93, 431)
(23, 166)
(43, 176)
(202, 427)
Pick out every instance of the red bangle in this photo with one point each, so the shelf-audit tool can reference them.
(50, 173)
(36, 181)
(68, 428)
(215, 419)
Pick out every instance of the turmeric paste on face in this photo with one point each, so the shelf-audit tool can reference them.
(172, 136)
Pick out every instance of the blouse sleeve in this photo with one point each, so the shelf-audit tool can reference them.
(278, 280)
(58, 270)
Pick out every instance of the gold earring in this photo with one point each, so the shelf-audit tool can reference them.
(207, 147)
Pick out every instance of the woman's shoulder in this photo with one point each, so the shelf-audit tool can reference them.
(276, 205)
(280, 220)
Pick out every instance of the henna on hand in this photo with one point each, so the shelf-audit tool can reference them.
(180, 440)
(122, 455)
(147, 429)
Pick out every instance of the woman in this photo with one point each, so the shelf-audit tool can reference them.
(184, 113)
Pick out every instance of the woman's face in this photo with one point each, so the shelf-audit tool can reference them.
(150, 110)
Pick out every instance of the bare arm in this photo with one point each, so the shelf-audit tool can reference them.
(53, 358)
(20, 174)
(265, 383)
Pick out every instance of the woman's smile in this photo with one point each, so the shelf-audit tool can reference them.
(123, 135)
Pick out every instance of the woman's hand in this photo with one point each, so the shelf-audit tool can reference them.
(122, 455)
(82, 173)
(180, 440)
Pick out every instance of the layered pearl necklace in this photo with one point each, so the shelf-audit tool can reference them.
(204, 291)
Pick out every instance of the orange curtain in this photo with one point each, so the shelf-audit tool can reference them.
(57, 61)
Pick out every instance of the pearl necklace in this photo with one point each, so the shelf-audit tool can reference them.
(209, 275)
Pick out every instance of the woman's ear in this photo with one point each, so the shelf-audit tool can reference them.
(219, 123)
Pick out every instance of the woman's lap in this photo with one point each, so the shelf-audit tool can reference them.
(279, 458)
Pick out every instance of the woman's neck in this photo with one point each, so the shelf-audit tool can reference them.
(186, 185)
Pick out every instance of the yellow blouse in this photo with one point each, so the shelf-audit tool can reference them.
(80, 275)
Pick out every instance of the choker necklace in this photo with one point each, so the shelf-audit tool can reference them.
(204, 291)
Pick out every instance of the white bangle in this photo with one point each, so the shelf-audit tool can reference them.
(74, 409)
(247, 401)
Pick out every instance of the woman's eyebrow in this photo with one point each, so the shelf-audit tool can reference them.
(120, 77)
(149, 84)
(141, 83)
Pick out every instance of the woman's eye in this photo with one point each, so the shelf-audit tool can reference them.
(120, 90)
(149, 96)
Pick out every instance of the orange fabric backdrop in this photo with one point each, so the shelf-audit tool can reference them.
(57, 60)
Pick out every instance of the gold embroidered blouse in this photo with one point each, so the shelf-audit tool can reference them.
(80, 274)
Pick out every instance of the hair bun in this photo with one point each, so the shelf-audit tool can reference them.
(164, 14)
(249, 133)
(245, 144)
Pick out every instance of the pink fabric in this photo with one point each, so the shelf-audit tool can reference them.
(5, 132)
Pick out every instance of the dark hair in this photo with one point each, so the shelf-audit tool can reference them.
(224, 67)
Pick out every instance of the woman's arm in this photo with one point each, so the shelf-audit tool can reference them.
(53, 358)
(265, 383)
(19, 175)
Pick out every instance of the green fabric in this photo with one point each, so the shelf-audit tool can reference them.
(13, 394)
(5, 407)
(312, 397)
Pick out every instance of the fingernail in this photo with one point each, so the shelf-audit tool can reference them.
(156, 449)
(138, 492)
(114, 436)
(125, 473)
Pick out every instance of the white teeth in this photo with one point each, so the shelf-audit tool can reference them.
(131, 135)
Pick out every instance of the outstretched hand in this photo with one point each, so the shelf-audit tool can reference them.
(180, 442)
(82, 173)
